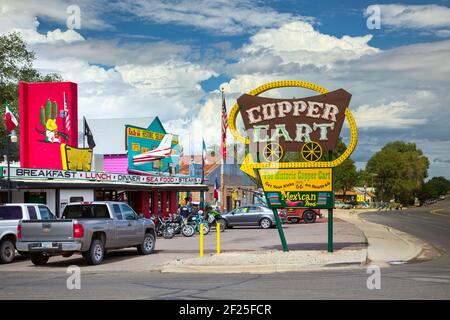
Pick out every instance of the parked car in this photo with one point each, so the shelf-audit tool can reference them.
(282, 213)
(10, 215)
(395, 206)
(441, 197)
(341, 205)
(252, 215)
(429, 202)
(294, 215)
(89, 228)
(363, 205)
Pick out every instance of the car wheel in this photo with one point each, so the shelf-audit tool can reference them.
(295, 220)
(265, 223)
(309, 216)
(38, 259)
(96, 252)
(148, 245)
(7, 251)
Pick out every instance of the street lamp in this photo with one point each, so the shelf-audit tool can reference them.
(13, 138)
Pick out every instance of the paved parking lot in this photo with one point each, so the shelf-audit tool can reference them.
(298, 236)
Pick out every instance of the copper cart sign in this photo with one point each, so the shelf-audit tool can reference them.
(294, 122)
(309, 126)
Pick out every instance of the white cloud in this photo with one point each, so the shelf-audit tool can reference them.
(429, 16)
(395, 115)
(19, 14)
(168, 78)
(33, 37)
(297, 44)
(221, 17)
(24, 20)
(444, 33)
(414, 63)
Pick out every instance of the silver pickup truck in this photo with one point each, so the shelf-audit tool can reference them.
(89, 228)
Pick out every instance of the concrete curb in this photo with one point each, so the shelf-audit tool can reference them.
(388, 244)
(254, 269)
(183, 266)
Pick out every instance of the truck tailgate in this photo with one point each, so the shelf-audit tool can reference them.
(47, 230)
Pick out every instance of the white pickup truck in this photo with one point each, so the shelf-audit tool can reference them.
(10, 215)
(89, 228)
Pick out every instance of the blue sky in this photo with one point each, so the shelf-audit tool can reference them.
(168, 58)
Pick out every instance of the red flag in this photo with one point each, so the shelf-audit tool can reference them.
(224, 128)
(216, 189)
(10, 119)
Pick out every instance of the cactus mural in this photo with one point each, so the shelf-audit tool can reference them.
(48, 116)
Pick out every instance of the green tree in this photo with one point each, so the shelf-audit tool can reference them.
(434, 188)
(345, 175)
(16, 64)
(399, 169)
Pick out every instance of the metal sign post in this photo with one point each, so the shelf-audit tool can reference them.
(280, 230)
(330, 211)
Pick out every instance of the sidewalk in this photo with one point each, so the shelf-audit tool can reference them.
(386, 245)
(259, 251)
(268, 262)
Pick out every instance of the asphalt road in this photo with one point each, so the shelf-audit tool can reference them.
(429, 223)
(425, 280)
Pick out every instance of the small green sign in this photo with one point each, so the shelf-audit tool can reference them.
(299, 199)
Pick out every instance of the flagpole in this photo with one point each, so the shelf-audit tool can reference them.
(84, 131)
(202, 193)
(203, 162)
(9, 174)
(222, 161)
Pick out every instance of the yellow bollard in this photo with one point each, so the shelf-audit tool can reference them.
(201, 240)
(218, 237)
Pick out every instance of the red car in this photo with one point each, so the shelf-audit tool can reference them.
(294, 215)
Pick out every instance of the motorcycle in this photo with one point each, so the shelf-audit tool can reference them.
(180, 225)
(163, 228)
(196, 220)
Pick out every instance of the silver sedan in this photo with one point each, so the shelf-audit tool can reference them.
(253, 215)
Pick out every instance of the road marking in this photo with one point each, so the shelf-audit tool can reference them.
(436, 280)
(439, 214)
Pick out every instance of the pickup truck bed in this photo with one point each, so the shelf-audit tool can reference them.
(89, 229)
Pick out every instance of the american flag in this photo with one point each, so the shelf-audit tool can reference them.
(66, 113)
(223, 146)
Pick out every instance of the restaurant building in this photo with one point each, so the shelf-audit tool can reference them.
(56, 167)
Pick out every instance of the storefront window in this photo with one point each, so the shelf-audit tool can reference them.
(35, 197)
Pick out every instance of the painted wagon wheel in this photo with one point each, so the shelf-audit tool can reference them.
(273, 152)
(311, 151)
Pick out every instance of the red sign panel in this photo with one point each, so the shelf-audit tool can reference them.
(48, 118)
